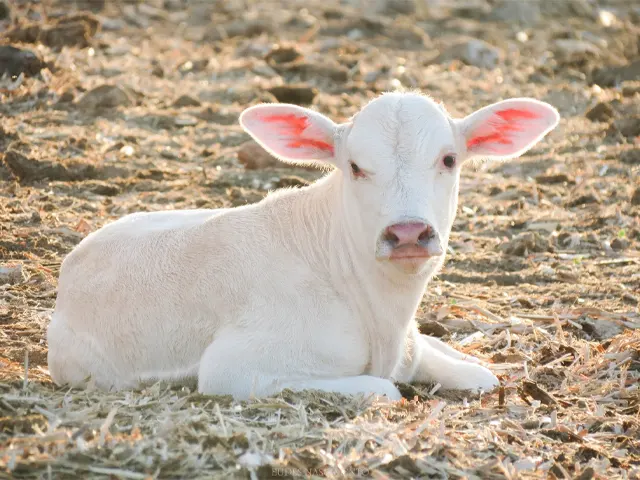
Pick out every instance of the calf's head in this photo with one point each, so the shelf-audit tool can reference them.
(400, 159)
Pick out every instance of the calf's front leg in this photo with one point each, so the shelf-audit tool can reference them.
(233, 365)
(428, 359)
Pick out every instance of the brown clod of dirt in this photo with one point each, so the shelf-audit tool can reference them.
(239, 28)
(473, 52)
(619, 243)
(253, 157)
(628, 126)
(402, 7)
(609, 76)
(103, 188)
(307, 71)
(533, 390)
(105, 96)
(71, 30)
(434, 329)
(411, 391)
(186, 101)
(242, 196)
(282, 54)
(525, 243)
(5, 10)
(630, 88)
(631, 157)
(296, 94)
(14, 61)
(291, 181)
(635, 198)
(584, 199)
(601, 112)
(194, 66)
(555, 178)
(28, 170)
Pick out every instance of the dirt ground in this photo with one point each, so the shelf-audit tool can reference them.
(133, 106)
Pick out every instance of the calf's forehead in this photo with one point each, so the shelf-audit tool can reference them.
(401, 127)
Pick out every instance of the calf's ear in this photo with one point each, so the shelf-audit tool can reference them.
(507, 129)
(291, 133)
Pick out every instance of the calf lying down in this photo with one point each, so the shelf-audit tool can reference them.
(311, 288)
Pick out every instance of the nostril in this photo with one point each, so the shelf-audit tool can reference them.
(427, 234)
(391, 237)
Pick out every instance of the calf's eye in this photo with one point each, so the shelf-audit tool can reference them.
(449, 161)
(357, 172)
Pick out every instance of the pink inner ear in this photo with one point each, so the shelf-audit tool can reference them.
(294, 126)
(499, 130)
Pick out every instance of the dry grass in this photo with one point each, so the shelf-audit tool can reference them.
(567, 407)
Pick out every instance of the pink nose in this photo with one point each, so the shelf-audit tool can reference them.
(408, 233)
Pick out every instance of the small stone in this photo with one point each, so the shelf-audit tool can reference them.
(309, 71)
(291, 181)
(157, 71)
(113, 24)
(253, 157)
(186, 101)
(600, 329)
(601, 112)
(296, 94)
(14, 61)
(66, 97)
(403, 7)
(194, 66)
(522, 13)
(610, 76)
(282, 54)
(5, 11)
(106, 189)
(264, 70)
(239, 28)
(635, 198)
(631, 157)
(92, 5)
(630, 88)
(568, 48)
(105, 96)
(583, 200)
(70, 30)
(243, 196)
(433, 328)
(525, 243)
(619, 243)
(333, 14)
(174, 5)
(472, 9)
(11, 274)
(474, 52)
(628, 126)
(554, 179)
(185, 121)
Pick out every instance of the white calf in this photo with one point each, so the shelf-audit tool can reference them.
(314, 287)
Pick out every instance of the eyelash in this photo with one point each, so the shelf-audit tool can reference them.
(355, 170)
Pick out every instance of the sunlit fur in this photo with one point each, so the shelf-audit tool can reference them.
(290, 292)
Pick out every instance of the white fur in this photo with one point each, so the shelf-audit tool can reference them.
(285, 293)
